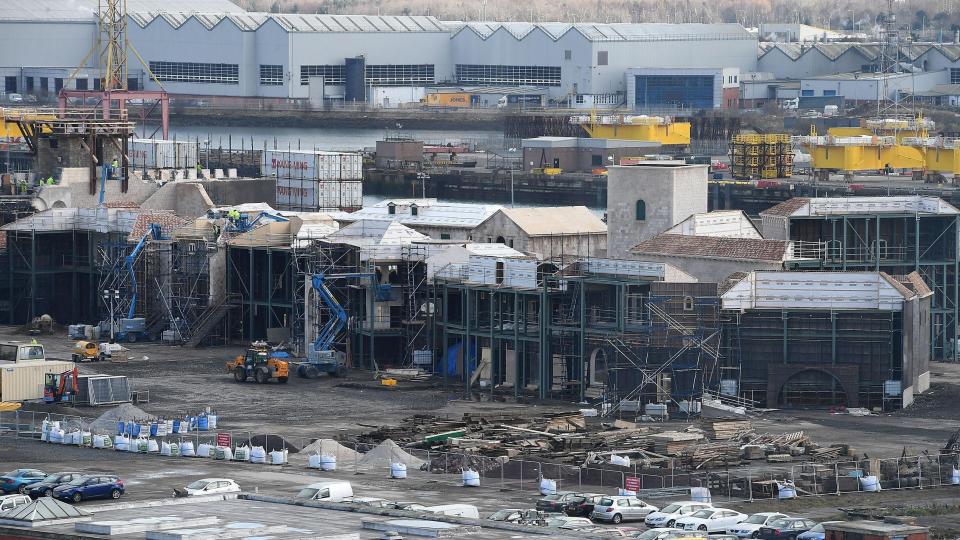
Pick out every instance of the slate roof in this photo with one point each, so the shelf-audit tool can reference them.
(714, 247)
(786, 208)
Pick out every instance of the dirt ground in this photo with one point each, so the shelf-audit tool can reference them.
(185, 381)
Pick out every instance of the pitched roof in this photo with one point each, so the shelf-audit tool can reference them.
(602, 32)
(714, 247)
(552, 221)
(168, 222)
(786, 208)
(42, 509)
(914, 282)
(727, 223)
(816, 290)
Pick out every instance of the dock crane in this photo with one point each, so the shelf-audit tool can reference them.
(322, 357)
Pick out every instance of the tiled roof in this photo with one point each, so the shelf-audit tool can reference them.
(168, 222)
(914, 282)
(786, 208)
(714, 247)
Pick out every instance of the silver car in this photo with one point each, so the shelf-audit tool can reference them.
(619, 509)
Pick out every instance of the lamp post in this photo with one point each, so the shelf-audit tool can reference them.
(111, 296)
(423, 177)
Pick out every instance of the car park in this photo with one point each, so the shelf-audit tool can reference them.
(750, 526)
(519, 517)
(207, 486)
(44, 488)
(817, 532)
(668, 515)
(18, 480)
(617, 509)
(712, 520)
(556, 501)
(582, 505)
(9, 502)
(91, 486)
(567, 522)
(661, 533)
(785, 529)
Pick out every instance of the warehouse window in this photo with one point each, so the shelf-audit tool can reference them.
(602, 58)
(688, 303)
(806, 93)
(400, 74)
(954, 75)
(271, 75)
(829, 92)
(483, 74)
(81, 84)
(567, 54)
(332, 75)
(196, 72)
(693, 91)
(641, 210)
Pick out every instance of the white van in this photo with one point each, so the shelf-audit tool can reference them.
(332, 491)
(461, 510)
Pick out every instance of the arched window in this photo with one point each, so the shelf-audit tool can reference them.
(641, 210)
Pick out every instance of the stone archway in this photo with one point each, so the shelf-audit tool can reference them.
(598, 367)
(59, 204)
(813, 386)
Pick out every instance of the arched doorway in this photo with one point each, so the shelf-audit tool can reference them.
(59, 204)
(598, 367)
(501, 240)
(812, 388)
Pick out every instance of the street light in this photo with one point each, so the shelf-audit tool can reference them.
(111, 296)
(423, 177)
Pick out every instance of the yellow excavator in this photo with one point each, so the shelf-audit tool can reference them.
(259, 365)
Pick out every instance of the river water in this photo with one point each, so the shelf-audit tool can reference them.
(317, 138)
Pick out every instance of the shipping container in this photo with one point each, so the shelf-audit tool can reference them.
(23, 381)
(445, 99)
(142, 153)
(187, 155)
(351, 194)
(351, 167)
(297, 194)
(161, 154)
(290, 164)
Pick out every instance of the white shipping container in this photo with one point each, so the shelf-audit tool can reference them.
(166, 155)
(351, 194)
(329, 194)
(24, 380)
(142, 153)
(297, 194)
(351, 167)
(290, 164)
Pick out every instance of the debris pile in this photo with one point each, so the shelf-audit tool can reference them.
(107, 422)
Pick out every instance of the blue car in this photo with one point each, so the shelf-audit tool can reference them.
(91, 486)
(45, 487)
(816, 533)
(18, 481)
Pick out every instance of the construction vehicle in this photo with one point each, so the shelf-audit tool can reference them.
(131, 329)
(322, 356)
(61, 387)
(257, 363)
(91, 351)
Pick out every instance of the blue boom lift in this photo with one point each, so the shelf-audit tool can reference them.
(322, 357)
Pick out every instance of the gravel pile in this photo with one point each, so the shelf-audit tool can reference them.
(387, 453)
(107, 422)
(328, 447)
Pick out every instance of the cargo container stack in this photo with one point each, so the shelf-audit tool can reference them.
(313, 180)
(762, 156)
(161, 154)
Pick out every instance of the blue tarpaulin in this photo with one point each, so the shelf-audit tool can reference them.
(453, 354)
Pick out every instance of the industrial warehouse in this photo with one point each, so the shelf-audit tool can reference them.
(323, 273)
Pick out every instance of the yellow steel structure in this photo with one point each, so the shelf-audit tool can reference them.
(635, 128)
(873, 157)
(942, 160)
(881, 144)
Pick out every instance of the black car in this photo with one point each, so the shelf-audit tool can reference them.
(45, 487)
(785, 529)
(581, 505)
(555, 502)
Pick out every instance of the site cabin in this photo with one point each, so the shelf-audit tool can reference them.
(15, 351)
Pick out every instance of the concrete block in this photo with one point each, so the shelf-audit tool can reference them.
(215, 533)
(111, 528)
(191, 174)
(422, 527)
(218, 173)
(231, 173)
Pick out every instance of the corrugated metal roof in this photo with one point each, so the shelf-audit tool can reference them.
(430, 213)
(721, 223)
(550, 221)
(611, 31)
(85, 10)
(296, 22)
(826, 206)
(869, 51)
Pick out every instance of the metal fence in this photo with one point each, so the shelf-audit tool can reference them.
(759, 480)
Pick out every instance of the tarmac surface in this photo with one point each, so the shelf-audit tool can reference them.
(186, 381)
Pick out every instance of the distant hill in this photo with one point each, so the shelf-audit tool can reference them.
(936, 17)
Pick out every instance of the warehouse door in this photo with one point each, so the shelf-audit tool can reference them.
(812, 388)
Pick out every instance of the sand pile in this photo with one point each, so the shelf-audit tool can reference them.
(387, 453)
(107, 422)
(327, 447)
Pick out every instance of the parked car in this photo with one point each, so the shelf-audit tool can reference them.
(785, 529)
(582, 505)
(207, 486)
(18, 480)
(9, 502)
(817, 532)
(712, 520)
(555, 502)
(567, 522)
(91, 486)
(668, 515)
(660, 533)
(519, 517)
(44, 488)
(620, 509)
(750, 527)
(15, 98)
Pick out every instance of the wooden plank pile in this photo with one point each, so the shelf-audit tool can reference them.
(672, 443)
(725, 429)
